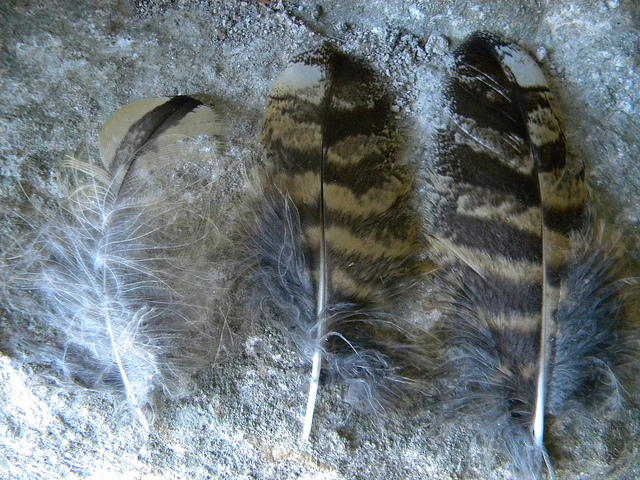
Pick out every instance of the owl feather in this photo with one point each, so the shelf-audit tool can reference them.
(333, 238)
(536, 302)
(117, 279)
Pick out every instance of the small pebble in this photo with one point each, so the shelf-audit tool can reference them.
(437, 45)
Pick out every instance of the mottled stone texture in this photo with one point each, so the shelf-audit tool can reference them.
(66, 66)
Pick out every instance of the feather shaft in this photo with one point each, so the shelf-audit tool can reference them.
(321, 308)
(135, 404)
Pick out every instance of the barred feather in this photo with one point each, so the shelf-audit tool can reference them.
(118, 278)
(535, 311)
(334, 237)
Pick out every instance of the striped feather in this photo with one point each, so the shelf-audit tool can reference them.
(334, 238)
(514, 238)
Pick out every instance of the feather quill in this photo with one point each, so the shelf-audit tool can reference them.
(119, 278)
(333, 237)
(536, 311)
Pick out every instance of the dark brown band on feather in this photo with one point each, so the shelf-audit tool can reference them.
(482, 169)
(492, 237)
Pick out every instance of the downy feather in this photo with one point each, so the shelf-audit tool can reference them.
(537, 310)
(332, 237)
(118, 279)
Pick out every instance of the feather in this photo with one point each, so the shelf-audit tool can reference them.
(333, 237)
(536, 306)
(118, 278)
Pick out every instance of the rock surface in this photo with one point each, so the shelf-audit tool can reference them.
(66, 66)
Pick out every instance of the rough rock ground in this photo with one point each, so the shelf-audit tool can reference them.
(66, 66)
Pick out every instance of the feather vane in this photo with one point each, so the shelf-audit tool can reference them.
(514, 336)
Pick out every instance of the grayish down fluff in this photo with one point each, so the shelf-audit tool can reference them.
(116, 285)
